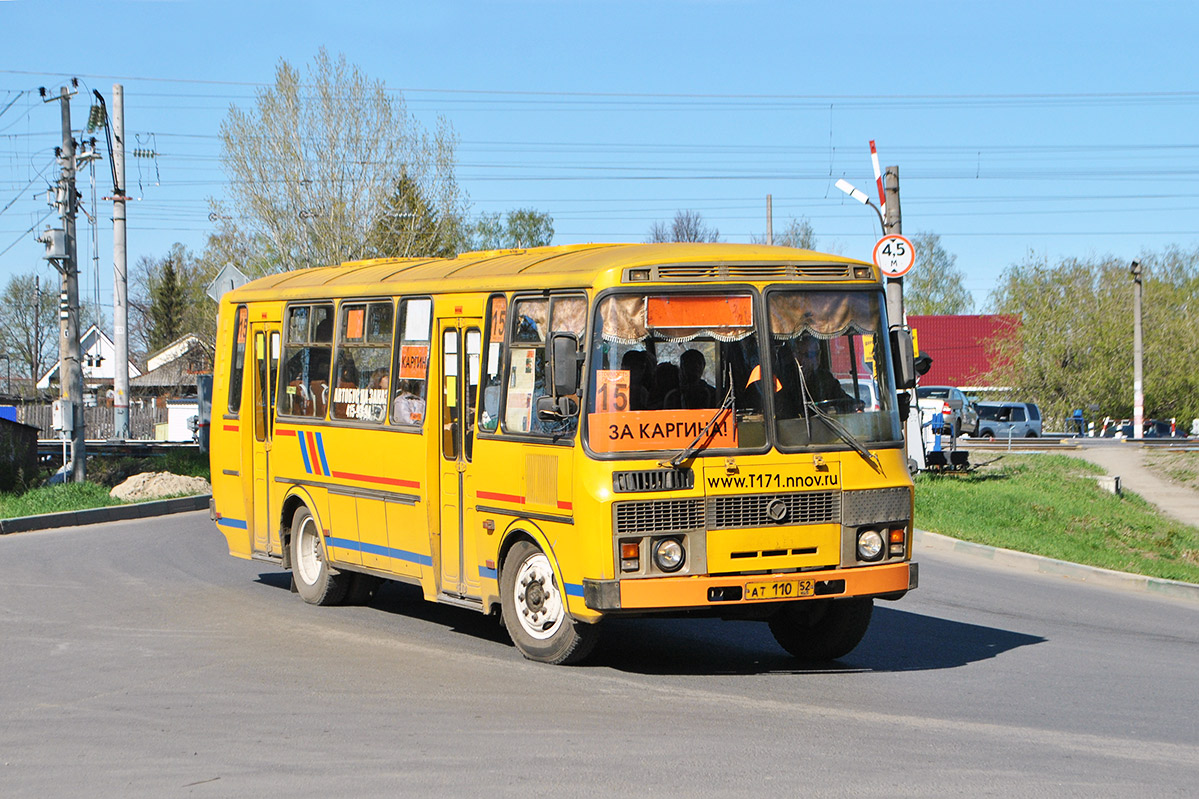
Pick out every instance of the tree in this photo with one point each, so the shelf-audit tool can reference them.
(322, 169)
(934, 286)
(1074, 346)
(798, 234)
(168, 299)
(29, 327)
(521, 228)
(688, 226)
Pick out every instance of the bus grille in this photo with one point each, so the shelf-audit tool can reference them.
(667, 272)
(652, 480)
(808, 507)
(877, 505)
(659, 515)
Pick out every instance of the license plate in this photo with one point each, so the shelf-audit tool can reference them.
(779, 589)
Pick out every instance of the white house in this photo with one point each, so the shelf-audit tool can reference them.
(99, 355)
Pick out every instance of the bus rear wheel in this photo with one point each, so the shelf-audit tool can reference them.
(316, 582)
(821, 629)
(535, 613)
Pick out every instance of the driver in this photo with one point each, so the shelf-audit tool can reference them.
(822, 385)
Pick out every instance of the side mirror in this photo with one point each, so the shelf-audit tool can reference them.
(565, 347)
(555, 410)
(903, 360)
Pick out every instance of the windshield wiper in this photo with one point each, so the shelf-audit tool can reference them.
(809, 402)
(691, 448)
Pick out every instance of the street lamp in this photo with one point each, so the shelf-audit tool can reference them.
(861, 196)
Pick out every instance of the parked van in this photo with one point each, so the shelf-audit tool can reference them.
(1009, 420)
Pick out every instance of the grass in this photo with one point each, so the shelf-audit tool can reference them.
(102, 474)
(1051, 505)
(56, 499)
(1181, 467)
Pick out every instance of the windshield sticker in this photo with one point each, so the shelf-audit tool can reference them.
(612, 390)
(691, 312)
(660, 430)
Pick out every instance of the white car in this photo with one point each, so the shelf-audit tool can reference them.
(956, 407)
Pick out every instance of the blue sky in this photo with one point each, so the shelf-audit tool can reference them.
(1061, 129)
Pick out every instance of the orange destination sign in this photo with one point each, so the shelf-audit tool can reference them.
(659, 430)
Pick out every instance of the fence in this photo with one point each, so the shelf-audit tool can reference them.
(98, 422)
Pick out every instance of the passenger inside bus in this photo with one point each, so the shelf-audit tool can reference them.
(636, 363)
(694, 391)
(409, 406)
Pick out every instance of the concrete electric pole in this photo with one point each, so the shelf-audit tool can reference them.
(70, 368)
(120, 304)
(893, 224)
(1138, 352)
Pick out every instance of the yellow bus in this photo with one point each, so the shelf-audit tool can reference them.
(565, 434)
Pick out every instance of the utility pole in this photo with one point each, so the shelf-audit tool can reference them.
(1138, 384)
(769, 221)
(893, 224)
(70, 370)
(120, 305)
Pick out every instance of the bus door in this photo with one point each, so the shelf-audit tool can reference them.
(461, 343)
(265, 339)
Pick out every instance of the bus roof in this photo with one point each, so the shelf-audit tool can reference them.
(565, 266)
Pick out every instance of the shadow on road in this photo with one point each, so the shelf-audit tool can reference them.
(898, 640)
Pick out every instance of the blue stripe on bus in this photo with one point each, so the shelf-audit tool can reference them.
(304, 452)
(375, 549)
(320, 448)
(240, 524)
(490, 574)
(573, 589)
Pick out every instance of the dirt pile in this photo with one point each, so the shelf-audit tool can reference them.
(152, 485)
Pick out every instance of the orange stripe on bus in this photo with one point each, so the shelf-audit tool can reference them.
(367, 478)
(500, 497)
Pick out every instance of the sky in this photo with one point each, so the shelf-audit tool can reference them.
(1020, 130)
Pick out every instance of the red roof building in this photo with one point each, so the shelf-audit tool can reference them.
(962, 347)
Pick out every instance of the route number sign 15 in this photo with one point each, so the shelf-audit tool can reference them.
(894, 255)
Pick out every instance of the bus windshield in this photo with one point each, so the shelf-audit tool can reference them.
(664, 365)
(828, 350)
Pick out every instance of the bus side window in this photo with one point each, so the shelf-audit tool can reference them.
(474, 345)
(238, 365)
(497, 317)
(533, 320)
(411, 364)
(363, 363)
(304, 387)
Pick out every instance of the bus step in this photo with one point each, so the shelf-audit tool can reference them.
(474, 603)
(267, 557)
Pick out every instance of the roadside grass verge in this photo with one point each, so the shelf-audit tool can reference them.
(1181, 467)
(56, 499)
(1051, 505)
(102, 475)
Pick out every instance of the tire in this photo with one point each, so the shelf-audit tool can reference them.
(817, 630)
(316, 582)
(535, 612)
(989, 435)
(1031, 434)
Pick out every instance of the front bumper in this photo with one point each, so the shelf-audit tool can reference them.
(689, 593)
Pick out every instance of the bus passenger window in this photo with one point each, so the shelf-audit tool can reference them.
(474, 341)
(307, 353)
(363, 365)
(497, 316)
(411, 365)
(237, 367)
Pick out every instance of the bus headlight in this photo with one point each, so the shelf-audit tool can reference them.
(669, 555)
(870, 545)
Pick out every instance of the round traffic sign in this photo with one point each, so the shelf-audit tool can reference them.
(894, 255)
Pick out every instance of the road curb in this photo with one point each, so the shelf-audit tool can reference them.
(1092, 575)
(114, 513)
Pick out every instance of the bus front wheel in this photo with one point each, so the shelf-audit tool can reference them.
(535, 613)
(316, 582)
(821, 629)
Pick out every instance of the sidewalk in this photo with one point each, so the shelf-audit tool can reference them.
(1127, 461)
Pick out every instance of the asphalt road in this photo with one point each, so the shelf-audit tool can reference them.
(138, 659)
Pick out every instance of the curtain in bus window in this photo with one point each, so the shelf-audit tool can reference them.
(824, 314)
(679, 318)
